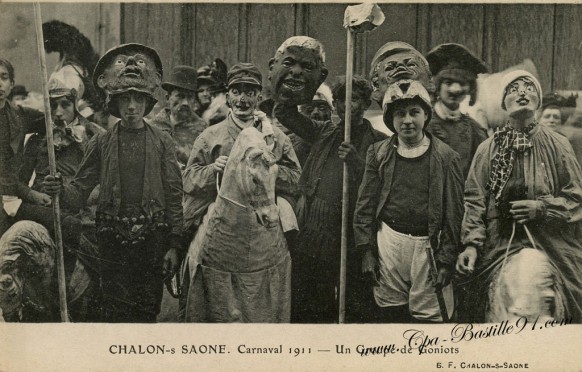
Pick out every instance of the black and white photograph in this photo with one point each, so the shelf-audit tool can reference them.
(371, 185)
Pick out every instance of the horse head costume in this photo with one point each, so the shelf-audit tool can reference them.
(251, 172)
(243, 269)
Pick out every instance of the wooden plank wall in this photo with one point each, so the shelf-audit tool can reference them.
(100, 22)
(503, 35)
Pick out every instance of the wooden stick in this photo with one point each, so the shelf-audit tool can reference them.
(52, 165)
(346, 189)
(438, 291)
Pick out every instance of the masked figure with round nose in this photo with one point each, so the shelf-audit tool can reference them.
(455, 71)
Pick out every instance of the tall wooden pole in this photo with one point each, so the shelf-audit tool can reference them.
(357, 19)
(346, 180)
(52, 165)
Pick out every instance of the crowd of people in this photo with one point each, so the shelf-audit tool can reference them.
(447, 220)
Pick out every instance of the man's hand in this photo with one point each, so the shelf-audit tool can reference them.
(53, 185)
(526, 210)
(182, 154)
(39, 198)
(348, 153)
(466, 261)
(443, 279)
(220, 163)
(171, 262)
(370, 267)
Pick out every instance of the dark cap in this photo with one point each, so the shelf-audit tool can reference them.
(556, 99)
(391, 48)
(182, 77)
(454, 56)
(18, 90)
(205, 76)
(108, 56)
(244, 73)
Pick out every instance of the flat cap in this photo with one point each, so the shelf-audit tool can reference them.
(244, 73)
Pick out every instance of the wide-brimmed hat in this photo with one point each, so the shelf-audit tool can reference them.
(18, 90)
(182, 77)
(244, 73)
(405, 90)
(124, 48)
(456, 62)
(454, 56)
(557, 100)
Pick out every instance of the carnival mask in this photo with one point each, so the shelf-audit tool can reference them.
(399, 66)
(295, 74)
(521, 97)
(243, 99)
(130, 69)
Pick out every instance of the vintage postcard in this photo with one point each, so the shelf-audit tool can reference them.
(156, 101)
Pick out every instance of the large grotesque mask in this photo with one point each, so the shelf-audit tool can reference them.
(129, 66)
(396, 61)
(27, 255)
(297, 70)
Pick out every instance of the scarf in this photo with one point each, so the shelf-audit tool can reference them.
(510, 142)
(69, 133)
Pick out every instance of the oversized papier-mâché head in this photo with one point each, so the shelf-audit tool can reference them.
(297, 70)
(394, 61)
(129, 67)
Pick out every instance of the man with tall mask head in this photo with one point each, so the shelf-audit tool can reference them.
(139, 211)
(317, 248)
